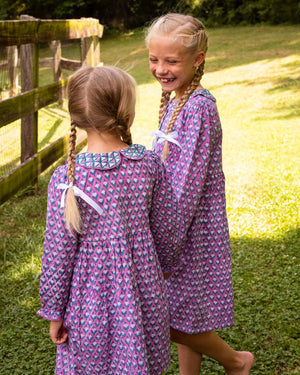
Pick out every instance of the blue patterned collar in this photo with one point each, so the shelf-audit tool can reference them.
(111, 159)
(204, 92)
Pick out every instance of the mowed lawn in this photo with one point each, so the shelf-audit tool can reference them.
(254, 73)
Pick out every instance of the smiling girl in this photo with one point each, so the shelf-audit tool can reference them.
(190, 142)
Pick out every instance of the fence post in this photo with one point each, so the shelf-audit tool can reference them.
(96, 44)
(29, 55)
(12, 61)
(55, 46)
(87, 51)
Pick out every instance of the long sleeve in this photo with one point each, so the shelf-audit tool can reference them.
(201, 155)
(166, 222)
(58, 255)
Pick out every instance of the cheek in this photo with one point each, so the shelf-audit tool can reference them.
(188, 74)
(152, 68)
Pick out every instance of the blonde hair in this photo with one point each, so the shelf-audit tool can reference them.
(189, 32)
(101, 99)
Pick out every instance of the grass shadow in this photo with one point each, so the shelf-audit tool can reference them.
(46, 140)
(285, 84)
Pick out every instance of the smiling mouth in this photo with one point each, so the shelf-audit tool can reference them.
(166, 80)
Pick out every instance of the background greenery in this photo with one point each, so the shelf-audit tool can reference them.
(254, 72)
(134, 13)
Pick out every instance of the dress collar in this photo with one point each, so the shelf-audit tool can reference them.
(111, 159)
(203, 92)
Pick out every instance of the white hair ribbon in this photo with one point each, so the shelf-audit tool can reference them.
(162, 137)
(78, 193)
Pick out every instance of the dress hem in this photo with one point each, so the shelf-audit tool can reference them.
(203, 330)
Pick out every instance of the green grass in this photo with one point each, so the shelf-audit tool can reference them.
(254, 72)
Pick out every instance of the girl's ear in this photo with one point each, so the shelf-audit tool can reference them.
(199, 58)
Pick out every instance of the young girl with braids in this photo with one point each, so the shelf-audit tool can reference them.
(110, 236)
(189, 141)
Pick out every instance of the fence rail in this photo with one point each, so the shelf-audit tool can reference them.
(28, 33)
(39, 31)
(24, 104)
(27, 172)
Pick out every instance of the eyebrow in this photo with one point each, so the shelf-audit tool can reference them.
(167, 57)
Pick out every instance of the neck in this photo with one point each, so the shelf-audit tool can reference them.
(178, 95)
(104, 142)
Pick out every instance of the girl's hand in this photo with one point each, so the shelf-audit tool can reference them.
(57, 332)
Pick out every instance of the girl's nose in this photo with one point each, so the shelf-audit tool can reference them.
(161, 69)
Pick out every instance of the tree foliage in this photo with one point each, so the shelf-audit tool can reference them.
(134, 13)
(234, 12)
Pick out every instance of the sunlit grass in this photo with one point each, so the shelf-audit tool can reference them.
(261, 144)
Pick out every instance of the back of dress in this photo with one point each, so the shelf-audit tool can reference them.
(107, 282)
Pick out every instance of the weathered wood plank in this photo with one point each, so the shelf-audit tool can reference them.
(55, 46)
(96, 51)
(22, 105)
(69, 64)
(57, 73)
(20, 177)
(87, 51)
(24, 32)
(69, 29)
(12, 61)
(18, 32)
(47, 62)
(27, 172)
(29, 80)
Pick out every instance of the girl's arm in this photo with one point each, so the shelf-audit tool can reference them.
(58, 255)
(166, 221)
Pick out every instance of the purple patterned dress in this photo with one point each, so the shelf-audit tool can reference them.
(108, 282)
(200, 290)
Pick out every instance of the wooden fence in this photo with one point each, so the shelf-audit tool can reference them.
(28, 33)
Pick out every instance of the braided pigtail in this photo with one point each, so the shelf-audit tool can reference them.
(200, 71)
(190, 89)
(165, 97)
(127, 138)
(123, 130)
(73, 219)
(121, 126)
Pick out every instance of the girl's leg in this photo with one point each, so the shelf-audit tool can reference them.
(210, 344)
(189, 360)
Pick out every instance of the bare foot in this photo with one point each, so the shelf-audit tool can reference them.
(247, 360)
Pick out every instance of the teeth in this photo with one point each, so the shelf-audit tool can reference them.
(164, 80)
